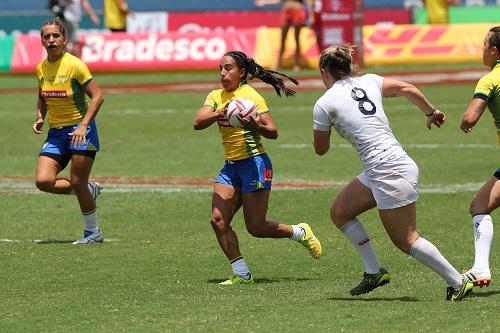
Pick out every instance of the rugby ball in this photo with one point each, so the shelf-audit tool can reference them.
(240, 108)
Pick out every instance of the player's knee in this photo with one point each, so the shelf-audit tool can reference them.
(217, 223)
(45, 184)
(77, 184)
(405, 245)
(256, 231)
(476, 207)
(337, 216)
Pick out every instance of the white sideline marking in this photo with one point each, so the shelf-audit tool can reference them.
(5, 240)
(22, 187)
(410, 145)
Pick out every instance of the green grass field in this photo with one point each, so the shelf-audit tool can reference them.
(159, 269)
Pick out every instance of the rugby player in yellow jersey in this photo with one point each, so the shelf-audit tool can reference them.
(487, 199)
(245, 179)
(64, 81)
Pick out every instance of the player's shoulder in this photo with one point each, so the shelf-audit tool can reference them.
(371, 77)
(249, 92)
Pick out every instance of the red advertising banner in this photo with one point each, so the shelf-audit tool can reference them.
(137, 52)
(28, 52)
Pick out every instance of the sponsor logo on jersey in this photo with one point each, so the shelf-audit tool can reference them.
(268, 174)
(54, 94)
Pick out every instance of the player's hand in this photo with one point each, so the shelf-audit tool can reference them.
(78, 136)
(250, 123)
(37, 126)
(223, 111)
(437, 119)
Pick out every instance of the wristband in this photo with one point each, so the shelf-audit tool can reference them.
(430, 114)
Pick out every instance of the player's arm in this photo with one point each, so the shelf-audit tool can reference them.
(472, 114)
(78, 136)
(321, 141)
(396, 88)
(322, 126)
(263, 124)
(96, 100)
(41, 111)
(206, 116)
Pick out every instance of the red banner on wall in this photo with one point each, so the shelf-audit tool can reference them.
(135, 52)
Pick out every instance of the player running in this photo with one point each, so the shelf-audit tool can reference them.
(487, 199)
(389, 181)
(246, 177)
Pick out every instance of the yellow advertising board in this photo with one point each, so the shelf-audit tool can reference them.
(423, 44)
(387, 44)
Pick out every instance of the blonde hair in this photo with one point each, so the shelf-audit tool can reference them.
(337, 60)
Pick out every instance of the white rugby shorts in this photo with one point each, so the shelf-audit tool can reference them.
(393, 183)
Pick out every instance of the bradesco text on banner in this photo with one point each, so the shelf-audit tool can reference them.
(162, 51)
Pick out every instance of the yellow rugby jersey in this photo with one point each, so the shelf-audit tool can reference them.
(488, 89)
(62, 87)
(238, 143)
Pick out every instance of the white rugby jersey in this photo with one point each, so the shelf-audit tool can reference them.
(353, 106)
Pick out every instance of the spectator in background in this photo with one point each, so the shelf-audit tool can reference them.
(294, 13)
(437, 10)
(115, 15)
(315, 23)
(72, 15)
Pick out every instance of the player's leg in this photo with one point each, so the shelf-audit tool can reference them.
(400, 224)
(54, 156)
(226, 200)
(485, 201)
(256, 179)
(225, 203)
(354, 199)
(81, 166)
(46, 178)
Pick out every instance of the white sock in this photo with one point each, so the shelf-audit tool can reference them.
(298, 232)
(356, 233)
(90, 221)
(483, 235)
(425, 252)
(240, 268)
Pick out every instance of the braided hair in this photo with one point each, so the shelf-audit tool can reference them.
(254, 70)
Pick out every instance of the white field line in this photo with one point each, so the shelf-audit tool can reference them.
(23, 187)
(410, 145)
(47, 241)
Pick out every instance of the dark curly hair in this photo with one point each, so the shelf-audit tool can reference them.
(495, 37)
(254, 70)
